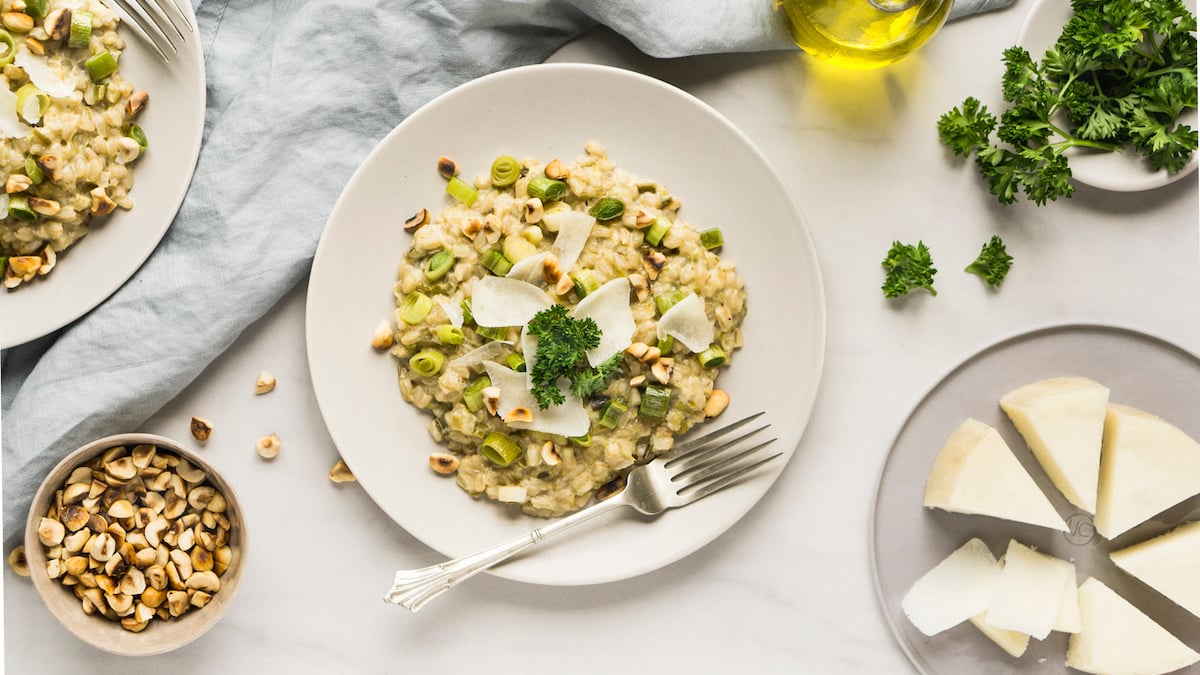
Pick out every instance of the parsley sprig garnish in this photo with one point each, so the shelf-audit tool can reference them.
(908, 268)
(562, 346)
(993, 262)
(1120, 75)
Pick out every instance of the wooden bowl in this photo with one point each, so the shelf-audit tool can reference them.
(160, 635)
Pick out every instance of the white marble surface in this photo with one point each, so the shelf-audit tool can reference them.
(789, 588)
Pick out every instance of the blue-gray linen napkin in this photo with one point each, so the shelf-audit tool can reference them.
(299, 91)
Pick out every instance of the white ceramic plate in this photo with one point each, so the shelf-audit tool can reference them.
(547, 111)
(1116, 171)
(112, 251)
(908, 540)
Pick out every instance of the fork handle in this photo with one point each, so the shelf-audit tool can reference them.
(412, 589)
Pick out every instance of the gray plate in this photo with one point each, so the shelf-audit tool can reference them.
(908, 540)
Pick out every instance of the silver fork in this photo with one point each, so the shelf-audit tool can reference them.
(693, 469)
(161, 23)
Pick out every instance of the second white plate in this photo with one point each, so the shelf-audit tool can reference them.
(655, 131)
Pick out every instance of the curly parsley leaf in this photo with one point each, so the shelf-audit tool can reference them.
(1120, 75)
(908, 268)
(993, 262)
(562, 346)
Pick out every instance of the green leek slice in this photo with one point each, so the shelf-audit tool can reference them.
(450, 335)
(438, 265)
(100, 65)
(8, 47)
(505, 171)
(473, 393)
(415, 308)
(427, 362)
(546, 189)
(28, 93)
(607, 208)
(499, 449)
(81, 29)
(656, 231)
(656, 400)
(461, 191)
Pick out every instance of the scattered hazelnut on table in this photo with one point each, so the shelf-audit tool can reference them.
(383, 337)
(340, 473)
(443, 463)
(265, 383)
(201, 428)
(268, 446)
(17, 561)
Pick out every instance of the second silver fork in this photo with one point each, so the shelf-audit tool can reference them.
(688, 472)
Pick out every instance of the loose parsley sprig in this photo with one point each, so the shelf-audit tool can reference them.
(908, 268)
(562, 346)
(993, 262)
(1120, 75)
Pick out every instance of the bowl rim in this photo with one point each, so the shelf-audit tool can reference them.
(179, 631)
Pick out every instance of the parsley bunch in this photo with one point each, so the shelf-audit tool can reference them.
(563, 343)
(1120, 75)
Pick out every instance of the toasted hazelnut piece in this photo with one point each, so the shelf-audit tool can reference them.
(17, 182)
(106, 583)
(652, 354)
(186, 540)
(557, 170)
(644, 219)
(35, 46)
(221, 519)
(175, 506)
(17, 22)
(552, 270)
(137, 101)
(640, 286)
(653, 263)
(201, 428)
(153, 597)
(81, 474)
(156, 577)
(177, 602)
(447, 167)
(471, 228)
(267, 447)
(161, 482)
(174, 578)
(154, 501)
(340, 473)
(51, 532)
(222, 558)
(662, 369)
(214, 502)
(144, 557)
(73, 543)
(54, 568)
(265, 383)
(46, 207)
(86, 604)
(204, 581)
(133, 583)
(95, 522)
(637, 380)
(24, 267)
(121, 509)
(206, 539)
(142, 455)
(718, 400)
(116, 566)
(443, 463)
(610, 488)
(491, 399)
(637, 350)
(76, 565)
(182, 564)
(121, 469)
(200, 599)
(519, 414)
(58, 24)
(75, 493)
(51, 166)
(120, 603)
(418, 219)
(564, 285)
(189, 473)
(550, 456)
(115, 452)
(142, 613)
(18, 562)
(202, 560)
(383, 337)
(155, 530)
(534, 210)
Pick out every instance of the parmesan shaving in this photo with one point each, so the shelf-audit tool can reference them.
(480, 354)
(528, 270)
(609, 307)
(687, 322)
(10, 125)
(41, 75)
(453, 312)
(574, 228)
(500, 302)
(569, 419)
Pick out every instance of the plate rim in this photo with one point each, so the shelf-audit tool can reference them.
(13, 334)
(988, 347)
(805, 237)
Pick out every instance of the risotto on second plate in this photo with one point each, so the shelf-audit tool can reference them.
(67, 134)
(561, 322)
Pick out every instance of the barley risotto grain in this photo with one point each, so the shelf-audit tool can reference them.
(554, 475)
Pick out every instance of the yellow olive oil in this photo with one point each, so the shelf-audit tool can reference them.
(863, 33)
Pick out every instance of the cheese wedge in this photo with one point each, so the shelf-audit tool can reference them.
(977, 473)
(1147, 466)
(1009, 640)
(957, 589)
(1062, 420)
(1029, 593)
(1118, 639)
(1068, 620)
(1168, 564)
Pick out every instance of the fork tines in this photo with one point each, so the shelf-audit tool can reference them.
(706, 464)
(161, 23)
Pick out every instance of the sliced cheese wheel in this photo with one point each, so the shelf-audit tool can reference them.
(574, 228)
(43, 76)
(959, 588)
(687, 322)
(1147, 466)
(569, 419)
(977, 473)
(1118, 639)
(1168, 564)
(1029, 593)
(609, 307)
(1009, 640)
(1062, 420)
(500, 302)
